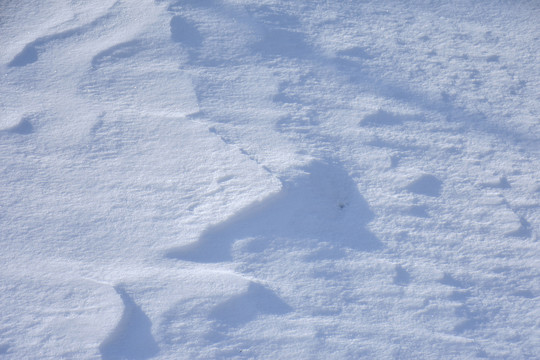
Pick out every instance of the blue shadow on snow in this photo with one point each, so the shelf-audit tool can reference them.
(322, 205)
(132, 338)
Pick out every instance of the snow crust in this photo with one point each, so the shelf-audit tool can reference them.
(209, 179)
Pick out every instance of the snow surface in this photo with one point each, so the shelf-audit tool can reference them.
(211, 179)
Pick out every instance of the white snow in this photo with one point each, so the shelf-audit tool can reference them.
(209, 179)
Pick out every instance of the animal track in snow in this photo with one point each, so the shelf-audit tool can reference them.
(230, 142)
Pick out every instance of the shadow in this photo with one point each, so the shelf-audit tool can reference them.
(449, 280)
(272, 17)
(184, 32)
(354, 69)
(459, 295)
(282, 97)
(28, 55)
(30, 52)
(132, 338)
(24, 127)
(471, 322)
(524, 230)
(116, 52)
(401, 277)
(356, 52)
(381, 143)
(322, 205)
(426, 185)
(180, 5)
(351, 63)
(502, 183)
(280, 42)
(418, 211)
(245, 307)
(279, 34)
(381, 118)
(528, 294)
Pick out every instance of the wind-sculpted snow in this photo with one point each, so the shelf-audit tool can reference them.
(132, 338)
(116, 53)
(243, 308)
(426, 185)
(204, 179)
(63, 316)
(24, 127)
(300, 211)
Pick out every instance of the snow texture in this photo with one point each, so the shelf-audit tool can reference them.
(210, 179)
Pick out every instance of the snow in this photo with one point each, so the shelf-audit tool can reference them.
(211, 179)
